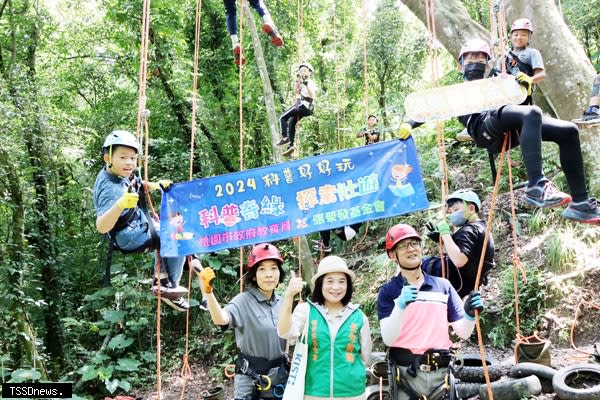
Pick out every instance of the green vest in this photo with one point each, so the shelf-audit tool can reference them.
(347, 376)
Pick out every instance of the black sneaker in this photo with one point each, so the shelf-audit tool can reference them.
(320, 247)
(586, 212)
(203, 305)
(283, 141)
(591, 115)
(545, 194)
(178, 303)
(167, 289)
(289, 151)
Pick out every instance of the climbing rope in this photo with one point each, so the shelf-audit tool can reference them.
(241, 118)
(578, 310)
(365, 63)
(186, 372)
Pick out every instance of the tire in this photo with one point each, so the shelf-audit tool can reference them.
(577, 382)
(545, 374)
(470, 369)
(514, 389)
(467, 390)
(372, 393)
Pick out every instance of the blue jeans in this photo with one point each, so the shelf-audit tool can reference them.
(231, 11)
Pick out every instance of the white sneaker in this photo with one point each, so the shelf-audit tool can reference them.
(179, 303)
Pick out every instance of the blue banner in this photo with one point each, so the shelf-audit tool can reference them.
(293, 198)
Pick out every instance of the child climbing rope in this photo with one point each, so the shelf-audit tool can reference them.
(306, 90)
(118, 214)
(593, 111)
(528, 127)
(231, 20)
(522, 61)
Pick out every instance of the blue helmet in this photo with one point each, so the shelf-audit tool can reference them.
(465, 195)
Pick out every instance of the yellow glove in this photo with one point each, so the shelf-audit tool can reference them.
(163, 184)
(128, 200)
(526, 81)
(404, 131)
(207, 276)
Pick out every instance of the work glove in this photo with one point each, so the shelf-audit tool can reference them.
(433, 233)
(163, 184)
(472, 303)
(443, 228)
(526, 81)
(207, 276)
(404, 131)
(128, 200)
(407, 296)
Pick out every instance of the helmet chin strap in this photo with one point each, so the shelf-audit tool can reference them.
(410, 269)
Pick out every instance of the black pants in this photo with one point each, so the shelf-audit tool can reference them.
(290, 118)
(533, 127)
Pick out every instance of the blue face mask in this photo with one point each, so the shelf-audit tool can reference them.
(457, 218)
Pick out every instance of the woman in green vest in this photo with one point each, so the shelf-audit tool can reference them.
(339, 337)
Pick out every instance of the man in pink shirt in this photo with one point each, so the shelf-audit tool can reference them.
(415, 310)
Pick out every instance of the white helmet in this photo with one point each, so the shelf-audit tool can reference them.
(121, 138)
(307, 65)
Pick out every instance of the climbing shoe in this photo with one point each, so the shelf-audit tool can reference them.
(178, 303)
(545, 194)
(591, 115)
(271, 30)
(289, 151)
(237, 55)
(167, 289)
(585, 211)
(283, 141)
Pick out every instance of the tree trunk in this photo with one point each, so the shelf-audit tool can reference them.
(569, 73)
(304, 250)
(42, 241)
(15, 250)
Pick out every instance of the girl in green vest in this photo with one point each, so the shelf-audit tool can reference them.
(339, 337)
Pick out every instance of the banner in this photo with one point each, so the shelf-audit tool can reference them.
(293, 198)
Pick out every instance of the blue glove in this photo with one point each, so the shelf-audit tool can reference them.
(407, 296)
(472, 303)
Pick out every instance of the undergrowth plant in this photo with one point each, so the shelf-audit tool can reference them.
(533, 300)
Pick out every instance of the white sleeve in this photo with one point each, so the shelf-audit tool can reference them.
(463, 327)
(391, 326)
(299, 318)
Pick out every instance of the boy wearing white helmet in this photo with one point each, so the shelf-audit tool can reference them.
(306, 90)
(118, 214)
(463, 248)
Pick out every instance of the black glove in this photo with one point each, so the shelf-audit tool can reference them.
(472, 303)
(433, 233)
(305, 82)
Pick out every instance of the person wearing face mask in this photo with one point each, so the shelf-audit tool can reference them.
(464, 247)
(415, 312)
(527, 127)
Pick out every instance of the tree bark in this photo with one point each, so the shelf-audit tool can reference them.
(304, 250)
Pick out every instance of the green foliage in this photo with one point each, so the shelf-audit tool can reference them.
(500, 323)
(562, 248)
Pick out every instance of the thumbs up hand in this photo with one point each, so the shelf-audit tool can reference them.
(295, 285)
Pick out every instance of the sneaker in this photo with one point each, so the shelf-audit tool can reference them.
(168, 290)
(587, 212)
(318, 246)
(237, 55)
(272, 31)
(196, 265)
(591, 115)
(289, 151)
(463, 136)
(178, 303)
(283, 141)
(203, 305)
(545, 194)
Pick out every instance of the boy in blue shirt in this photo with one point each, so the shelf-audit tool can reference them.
(119, 215)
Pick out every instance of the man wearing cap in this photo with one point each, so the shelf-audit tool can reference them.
(463, 248)
(415, 310)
